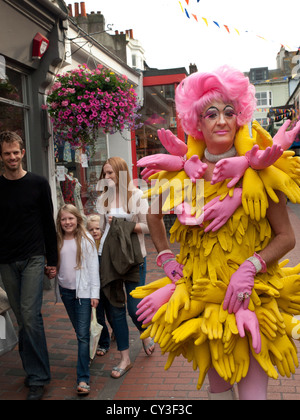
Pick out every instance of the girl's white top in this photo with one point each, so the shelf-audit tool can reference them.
(87, 277)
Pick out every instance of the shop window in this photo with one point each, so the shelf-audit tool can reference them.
(158, 112)
(13, 109)
(77, 173)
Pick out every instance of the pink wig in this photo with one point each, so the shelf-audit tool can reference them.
(227, 84)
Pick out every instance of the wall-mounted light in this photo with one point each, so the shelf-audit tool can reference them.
(40, 45)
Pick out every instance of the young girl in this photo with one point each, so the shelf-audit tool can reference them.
(79, 283)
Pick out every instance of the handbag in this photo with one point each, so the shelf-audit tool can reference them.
(8, 336)
(4, 303)
(95, 333)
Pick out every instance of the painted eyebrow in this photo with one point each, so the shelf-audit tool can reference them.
(215, 108)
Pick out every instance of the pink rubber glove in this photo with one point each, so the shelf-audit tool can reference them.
(285, 138)
(221, 211)
(171, 143)
(241, 282)
(162, 162)
(194, 168)
(247, 320)
(234, 168)
(148, 307)
(171, 267)
(183, 212)
(146, 173)
(261, 159)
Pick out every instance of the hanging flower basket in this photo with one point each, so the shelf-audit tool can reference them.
(84, 101)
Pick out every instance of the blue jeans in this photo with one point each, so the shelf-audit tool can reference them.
(79, 311)
(23, 282)
(119, 319)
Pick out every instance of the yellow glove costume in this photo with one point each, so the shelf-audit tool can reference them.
(193, 323)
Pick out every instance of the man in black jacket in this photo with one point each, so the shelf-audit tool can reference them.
(27, 243)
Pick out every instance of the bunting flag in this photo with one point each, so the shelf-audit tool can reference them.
(220, 25)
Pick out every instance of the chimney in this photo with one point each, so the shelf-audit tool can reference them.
(76, 9)
(70, 10)
(83, 10)
(131, 33)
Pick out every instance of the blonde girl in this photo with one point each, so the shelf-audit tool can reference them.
(79, 283)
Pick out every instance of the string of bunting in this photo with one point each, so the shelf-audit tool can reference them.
(191, 15)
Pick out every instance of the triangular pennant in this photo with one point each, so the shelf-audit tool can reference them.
(216, 23)
(187, 2)
(186, 12)
(181, 7)
(195, 17)
(227, 29)
(205, 20)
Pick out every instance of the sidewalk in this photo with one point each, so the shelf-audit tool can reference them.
(147, 380)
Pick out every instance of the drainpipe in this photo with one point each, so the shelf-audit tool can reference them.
(57, 11)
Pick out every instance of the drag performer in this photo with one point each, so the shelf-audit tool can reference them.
(226, 303)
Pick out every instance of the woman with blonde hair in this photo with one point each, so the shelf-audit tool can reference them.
(120, 199)
(78, 283)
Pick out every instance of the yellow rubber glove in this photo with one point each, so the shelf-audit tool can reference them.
(231, 333)
(204, 290)
(262, 137)
(290, 164)
(243, 142)
(179, 299)
(241, 358)
(223, 363)
(275, 179)
(267, 322)
(143, 291)
(190, 329)
(201, 360)
(288, 271)
(289, 300)
(288, 356)
(254, 197)
(266, 289)
(271, 305)
(171, 358)
(211, 325)
(263, 358)
(195, 147)
(292, 326)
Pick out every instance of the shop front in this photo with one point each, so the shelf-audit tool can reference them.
(31, 49)
(158, 110)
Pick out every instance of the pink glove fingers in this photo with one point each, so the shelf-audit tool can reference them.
(241, 283)
(247, 320)
(171, 143)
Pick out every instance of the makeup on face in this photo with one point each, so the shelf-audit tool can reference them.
(213, 113)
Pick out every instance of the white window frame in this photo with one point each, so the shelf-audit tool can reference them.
(268, 99)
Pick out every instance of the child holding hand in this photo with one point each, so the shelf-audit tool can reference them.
(78, 282)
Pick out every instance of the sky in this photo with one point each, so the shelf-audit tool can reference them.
(170, 39)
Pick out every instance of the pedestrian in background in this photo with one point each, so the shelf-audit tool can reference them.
(122, 201)
(28, 241)
(79, 283)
